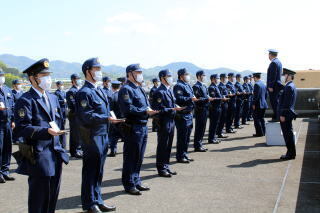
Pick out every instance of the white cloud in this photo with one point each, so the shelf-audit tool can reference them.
(67, 33)
(125, 17)
(5, 39)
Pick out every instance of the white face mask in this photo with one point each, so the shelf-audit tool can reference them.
(61, 87)
(97, 76)
(169, 80)
(218, 81)
(204, 79)
(284, 79)
(2, 80)
(78, 82)
(109, 84)
(139, 78)
(45, 83)
(19, 87)
(187, 78)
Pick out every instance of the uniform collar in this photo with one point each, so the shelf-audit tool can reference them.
(91, 84)
(288, 82)
(37, 91)
(165, 87)
(132, 84)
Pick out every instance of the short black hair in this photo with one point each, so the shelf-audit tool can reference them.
(115, 86)
(273, 54)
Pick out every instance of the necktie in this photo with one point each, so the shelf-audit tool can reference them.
(46, 101)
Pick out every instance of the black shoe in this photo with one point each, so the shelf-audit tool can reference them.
(287, 157)
(143, 188)
(216, 141)
(257, 135)
(94, 209)
(133, 191)
(189, 159)
(183, 160)
(200, 149)
(112, 154)
(2, 180)
(223, 136)
(172, 172)
(77, 155)
(8, 178)
(245, 124)
(273, 120)
(231, 131)
(106, 208)
(165, 174)
(238, 127)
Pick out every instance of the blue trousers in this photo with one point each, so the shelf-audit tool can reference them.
(75, 141)
(250, 114)
(114, 136)
(259, 123)
(214, 116)
(245, 111)
(94, 157)
(133, 153)
(223, 117)
(201, 116)
(184, 125)
(230, 114)
(238, 112)
(165, 139)
(274, 101)
(288, 136)
(5, 147)
(44, 191)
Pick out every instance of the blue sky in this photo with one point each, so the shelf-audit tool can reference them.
(231, 33)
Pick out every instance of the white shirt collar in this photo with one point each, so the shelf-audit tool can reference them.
(95, 85)
(288, 82)
(37, 91)
(168, 87)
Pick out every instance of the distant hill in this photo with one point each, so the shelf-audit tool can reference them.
(62, 69)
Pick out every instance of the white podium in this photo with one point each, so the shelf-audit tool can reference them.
(274, 136)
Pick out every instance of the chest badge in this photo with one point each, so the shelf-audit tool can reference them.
(84, 103)
(21, 113)
(125, 97)
(71, 97)
(179, 92)
(159, 100)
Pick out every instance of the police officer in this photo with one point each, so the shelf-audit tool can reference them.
(250, 84)
(224, 105)
(231, 104)
(107, 87)
(155, 82)
(201, 110)
(246, 101)
(259, 105)
(6, 126)
(17, 89)
(75, 140)
(92, 108)
(239, 101)
(215, 109)
(184, 119)
(37, 113)
(164, 102)
(115, 133)
(61, 95)
(17, 92)
(274, 81)
(135, 107)
(123, 80)
(287, 101)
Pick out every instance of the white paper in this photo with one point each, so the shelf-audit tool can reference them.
(113, 115)
(2, 105)
(54, 126)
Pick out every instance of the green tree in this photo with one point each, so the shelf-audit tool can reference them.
(9, 78)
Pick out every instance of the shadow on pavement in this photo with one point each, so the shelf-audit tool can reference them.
(254, 163)
(230, 149)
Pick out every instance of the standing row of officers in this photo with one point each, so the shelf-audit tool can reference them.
(99, 117)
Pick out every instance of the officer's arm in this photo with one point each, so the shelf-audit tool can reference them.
(23, 120)
(86, 111)
(126, 106)
(288, 94)
(272, 75)
(70, 102)
(197, 92)
(178, 94)
(256, 94)
(159, 105)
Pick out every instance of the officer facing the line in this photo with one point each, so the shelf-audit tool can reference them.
(17, 92)
(200, 90)
(135, 107)
(155, 82)
(184, 119)
(259, 105)
(239, 102)
(246, 101)
(287, 101)
(107, 87)
(224, 105)
(6, 126)
(75, 140)
(164, 102)
(94, 115)
(61, 95)
(231, 104)
(37, 113)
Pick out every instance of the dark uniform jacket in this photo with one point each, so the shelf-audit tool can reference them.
(260, 95)
(287, 101)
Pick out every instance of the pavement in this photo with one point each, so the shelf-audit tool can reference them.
(241, 174)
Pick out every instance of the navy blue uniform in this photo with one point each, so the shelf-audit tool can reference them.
(75, 140)
(287, 101)
(259, 101)
(250, 115)
(151, 94)
(231, 106)
(16, 94)
(164, 102)
(61, 95)
(239, 103)
(92, 108)
(184, 123)
(224, 108)
(6, 118)
(109, 93)
(133, 104)
(274, 81)
(115, 133)
(201, 112)
(246, 103)
(32, 117)
(215, 111)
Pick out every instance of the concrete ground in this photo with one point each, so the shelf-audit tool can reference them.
(241, 174)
